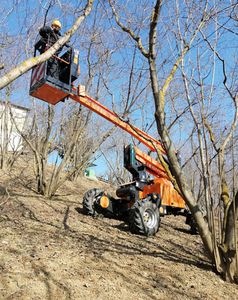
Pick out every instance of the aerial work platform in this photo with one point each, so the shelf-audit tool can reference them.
(52, 80)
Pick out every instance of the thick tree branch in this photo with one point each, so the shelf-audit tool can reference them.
(153, 26)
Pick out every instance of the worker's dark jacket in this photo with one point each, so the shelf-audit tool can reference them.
(48, 38)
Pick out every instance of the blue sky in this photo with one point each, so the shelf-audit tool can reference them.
(23, 20)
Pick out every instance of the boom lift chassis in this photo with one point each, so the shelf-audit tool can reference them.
(141, 202)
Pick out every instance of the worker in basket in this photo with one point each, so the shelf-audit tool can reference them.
(49, 36)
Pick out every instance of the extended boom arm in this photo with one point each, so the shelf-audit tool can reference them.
(106, 113)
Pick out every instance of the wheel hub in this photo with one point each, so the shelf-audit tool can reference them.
(149, 218)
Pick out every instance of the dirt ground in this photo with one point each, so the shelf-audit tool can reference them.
(50, 250)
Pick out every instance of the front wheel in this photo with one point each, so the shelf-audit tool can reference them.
(144, 218)
(89, 201)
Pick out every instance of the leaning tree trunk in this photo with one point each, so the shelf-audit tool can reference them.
(159, 100)
(228, 248)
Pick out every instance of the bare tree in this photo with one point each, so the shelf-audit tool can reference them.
(191, 29)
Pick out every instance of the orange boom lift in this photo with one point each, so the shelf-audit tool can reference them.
(140, 202)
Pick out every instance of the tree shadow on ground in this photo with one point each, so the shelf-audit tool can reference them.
(170, 255)
(45, 276)
(99, 245)
(2, 190)
(114, 244)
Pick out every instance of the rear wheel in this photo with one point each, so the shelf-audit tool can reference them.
(89, 201)
(193, 226)
(191, 222)
(144, 218)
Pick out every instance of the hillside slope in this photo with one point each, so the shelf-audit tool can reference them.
(50, 250)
